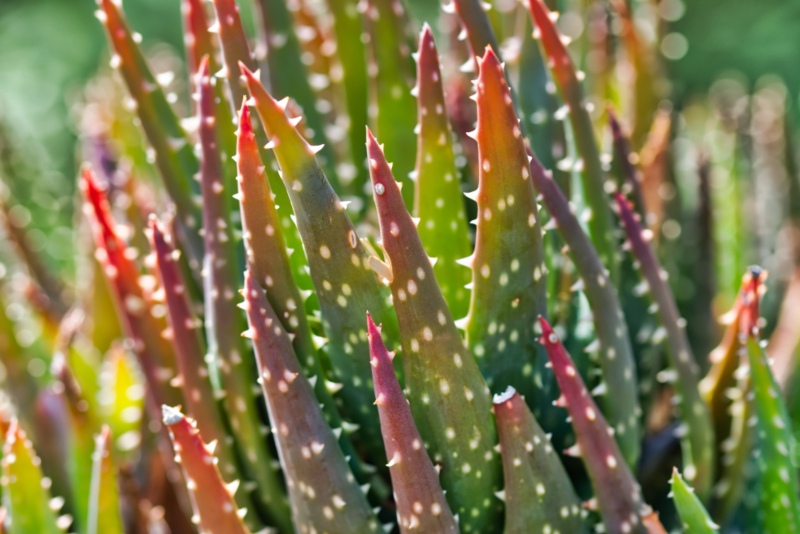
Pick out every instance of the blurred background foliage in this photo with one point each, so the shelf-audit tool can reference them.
(50, 48)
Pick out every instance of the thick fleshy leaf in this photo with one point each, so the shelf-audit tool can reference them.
(288, 75)
(199, 44)
(448, 395)
(508, 271)
(593, 178)
(104, 507)
(185, 334)
(235, 50)
(698, 444)
(231, 373)
(618, 495)
(340, 266)
(389, 66)
(269, 263)
(153, 352)
(628, 179)
(779, 508)
(537, 489)
(615, 355)
(174, 156)
(323, 493)
(348, 31)
(421, 505)
(212, 499)
(693, 514)
(477, 25)
(121, 398)
(26, 493)
(437, 197)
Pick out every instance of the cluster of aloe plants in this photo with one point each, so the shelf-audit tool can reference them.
(247, 269)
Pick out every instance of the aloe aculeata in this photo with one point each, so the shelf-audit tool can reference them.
(350, 354)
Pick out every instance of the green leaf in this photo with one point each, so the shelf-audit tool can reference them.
(693, 514)
(508, 271)
(323, 493)
(104, 506)
(438, 202)
(448, 395)
(26, 495)
(537, 489)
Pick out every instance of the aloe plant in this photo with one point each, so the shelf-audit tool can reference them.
(352, 354)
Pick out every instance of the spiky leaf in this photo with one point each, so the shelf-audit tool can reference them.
(212, 499)
(26, 493)
(104, 510)
(615, 355)
(421, 505)
(448, 395)
(437, 197)
(693, 514)
(323, 493)
(618, 495)
(538, 491)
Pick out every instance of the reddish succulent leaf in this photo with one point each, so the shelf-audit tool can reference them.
(629, 179)
(537, 489)
(174, 156)
(235, 49)
(197, 39)
(323, 493)
(231, 372)
(615, 354)
(340, 266)
(698, 445)
(437, 197)
(593, 178)
(185, 334)
(421, 506)
(268, 261)
(153, 353)
(508, 270)
(618, 495)
(212, 499)
(448, 395)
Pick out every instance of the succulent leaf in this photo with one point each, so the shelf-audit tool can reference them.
(480, 34)
(212, 499)
(390, 69)
(104, 512)
(615, 355)
(778, 501)
(698, 445)
(448, 395)
(618, 495)
(592, 175)
(235, 50)
(185, 333)
(230, 371)
(323, 493)
(26, 493)
(421, 505)
(438, 203)
(153, 352)
(174, 157)
(348, 31)
(288, 75)
(269, 264)
(538, 492)
(693, 514)
(508, 272)
(345, 284)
